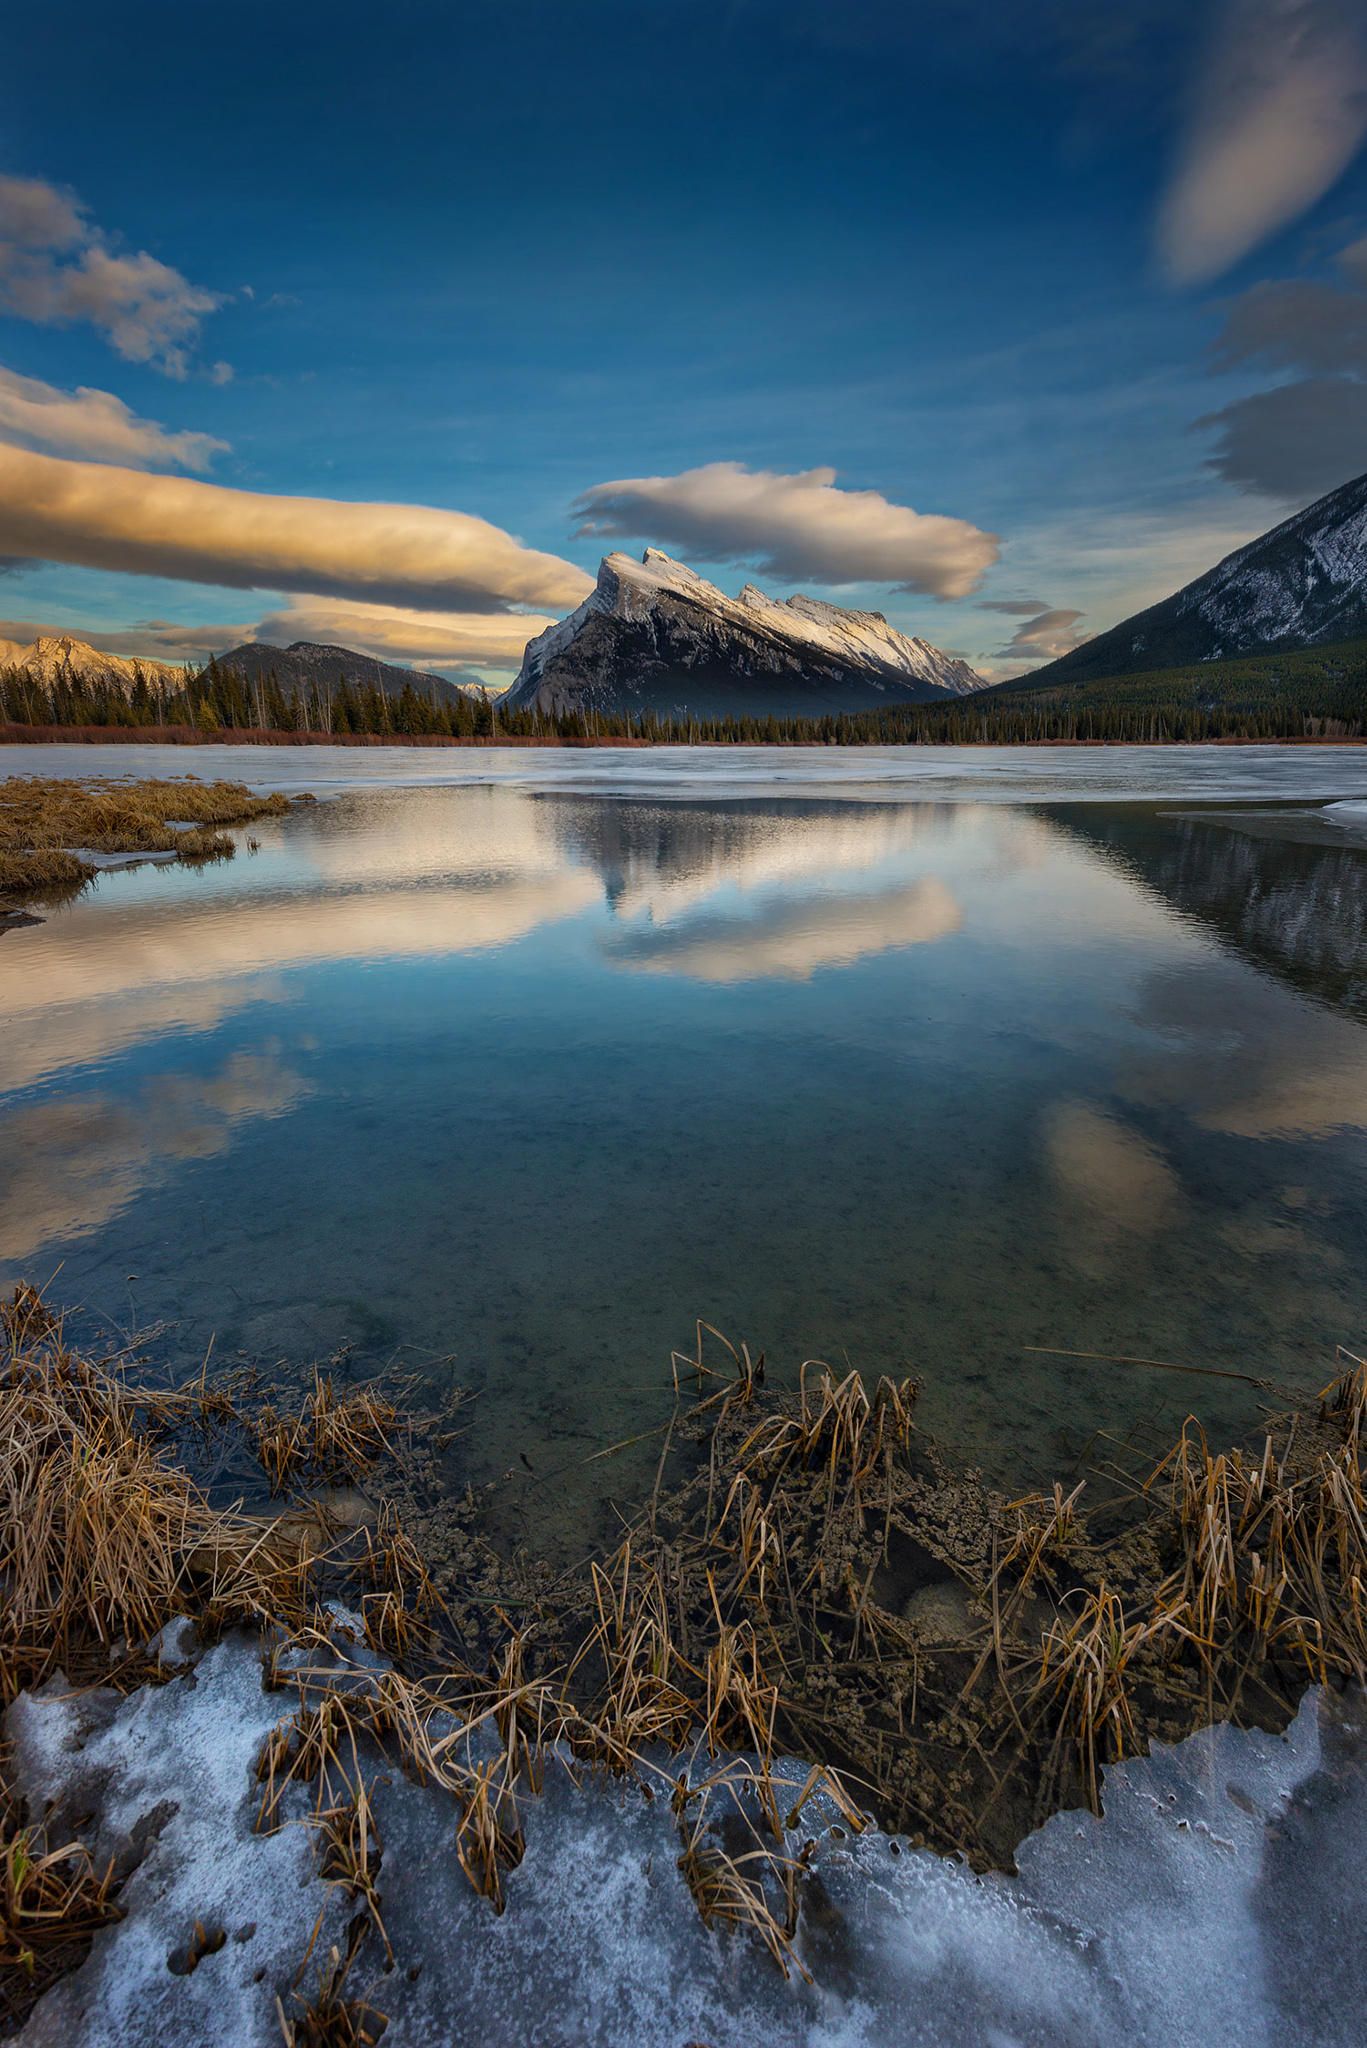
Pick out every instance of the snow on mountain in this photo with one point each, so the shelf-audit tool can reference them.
(54, 658)
(1302, 584)
(655, 636)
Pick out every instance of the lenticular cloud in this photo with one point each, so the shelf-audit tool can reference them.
(1279, 114)
(796, 527)
(409, 555)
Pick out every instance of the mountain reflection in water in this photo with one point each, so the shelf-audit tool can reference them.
(522, 1083)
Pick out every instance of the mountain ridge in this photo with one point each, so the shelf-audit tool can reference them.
(655, 636)
(326, 667)
(55, 657)
(1303, 583)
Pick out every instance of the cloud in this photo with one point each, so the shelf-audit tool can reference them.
(431, 639)
(439, 640)
(409, 555)
(1014, 607)
(96, 423)
(792, 527)
(1278, 114)
(1044, 638)
(1300, 323)
(1302, 437)
(1294, 442)
(56, 267)
(84, 1158)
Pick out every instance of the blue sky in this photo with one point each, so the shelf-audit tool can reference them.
(975, 262)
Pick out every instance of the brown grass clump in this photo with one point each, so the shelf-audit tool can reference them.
(333, 1436)
(48, 870)
(102, 1536)
(351, 1853)
(52, 1903)
(329, 2017)
(46, 824)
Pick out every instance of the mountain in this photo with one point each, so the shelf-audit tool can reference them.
(54, 658)
(311, 662)
(655, 636)
(1301, 585)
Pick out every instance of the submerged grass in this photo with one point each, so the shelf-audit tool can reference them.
(47, 825)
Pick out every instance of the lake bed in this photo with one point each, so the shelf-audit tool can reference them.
(1033, 1076)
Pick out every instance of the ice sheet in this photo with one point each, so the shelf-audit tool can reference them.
(1219, 1901)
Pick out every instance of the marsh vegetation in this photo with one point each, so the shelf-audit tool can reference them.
(50, 828)
(807, 1580)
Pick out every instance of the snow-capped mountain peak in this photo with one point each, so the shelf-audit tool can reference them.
(654, 635)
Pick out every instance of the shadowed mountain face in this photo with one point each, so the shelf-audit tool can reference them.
(1294, 908)
(1304, 584)
(656, 637)
(310, 662)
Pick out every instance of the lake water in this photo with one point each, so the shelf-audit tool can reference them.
(514, 1063)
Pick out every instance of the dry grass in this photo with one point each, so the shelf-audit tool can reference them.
(52, 1902)
(48, 870)
(330, 2017)
(333, 1437)
(1085, 1675)
(350, 1853)
(102, 1536)
(759, 1607)
(45, 824)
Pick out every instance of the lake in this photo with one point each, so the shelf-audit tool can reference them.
(511, 1064)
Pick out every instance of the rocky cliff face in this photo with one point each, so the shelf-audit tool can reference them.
(656, 636)
(1303, 584)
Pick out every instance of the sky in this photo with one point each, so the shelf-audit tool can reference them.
(380, 327)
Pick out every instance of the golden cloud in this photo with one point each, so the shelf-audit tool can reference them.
(408, 555)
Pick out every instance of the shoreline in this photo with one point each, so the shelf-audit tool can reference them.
(815, 1647)
(253, 736)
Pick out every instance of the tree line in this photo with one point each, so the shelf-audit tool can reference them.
(1300, 696)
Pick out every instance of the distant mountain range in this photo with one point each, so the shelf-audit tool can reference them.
(654, 636)
(1304, 584)
(56, 658)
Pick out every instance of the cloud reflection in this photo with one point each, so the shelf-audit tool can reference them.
(71, 1164)
(1113, 1181)
(1241, 1056)
(789, 941)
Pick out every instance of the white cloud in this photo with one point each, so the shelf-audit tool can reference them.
(415, 556)
(56, 267)
(792, 527)
(791, 941)
(1114, 1182)
(95, 423)
(1278, 115)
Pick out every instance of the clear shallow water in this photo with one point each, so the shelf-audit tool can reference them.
(514, 1074)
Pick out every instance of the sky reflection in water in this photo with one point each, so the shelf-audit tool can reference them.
(535, 1079)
